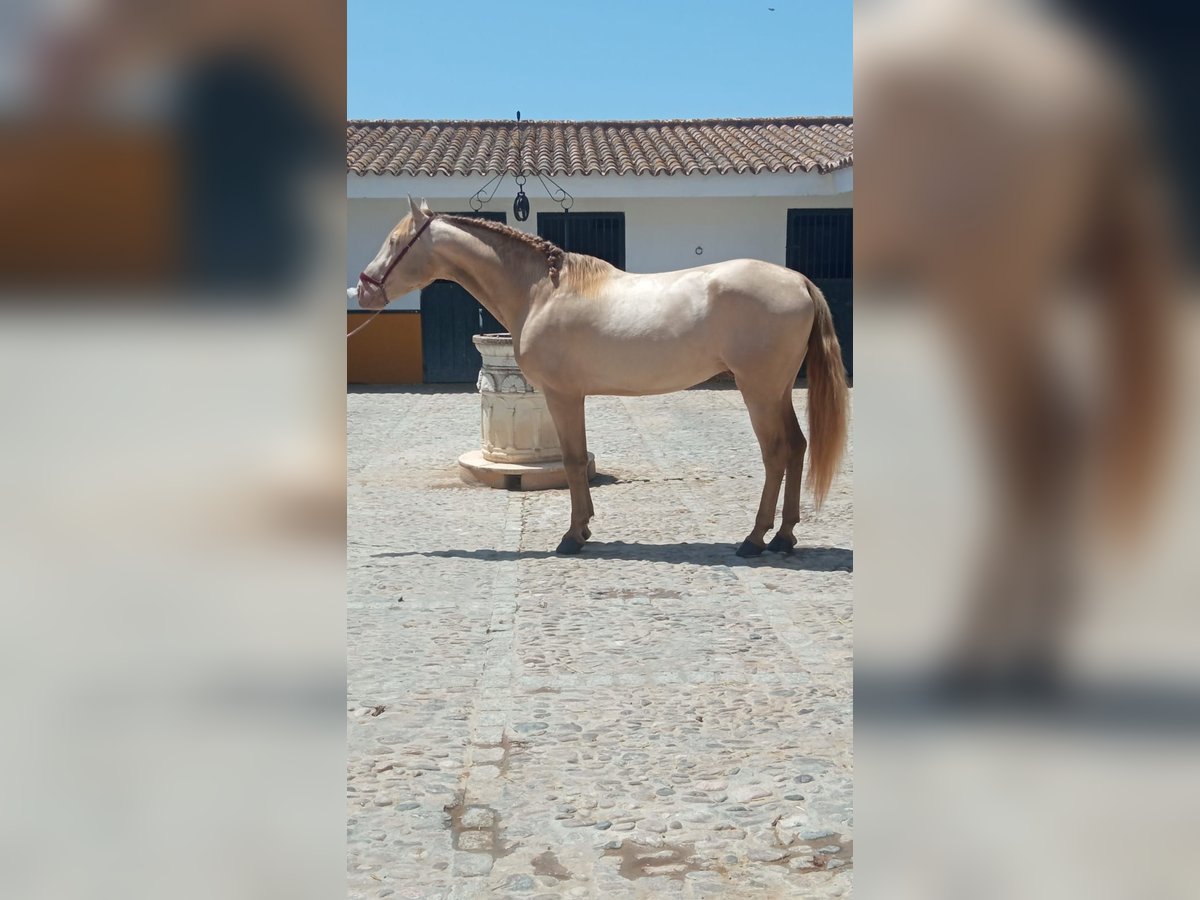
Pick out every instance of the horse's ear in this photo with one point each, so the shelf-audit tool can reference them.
(414, 208)
(425, 208)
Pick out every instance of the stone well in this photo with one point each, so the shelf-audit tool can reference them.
(520, 449)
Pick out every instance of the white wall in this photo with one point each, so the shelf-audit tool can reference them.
(766, 184)
(661, 232)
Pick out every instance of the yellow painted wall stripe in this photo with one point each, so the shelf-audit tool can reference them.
(386, 352)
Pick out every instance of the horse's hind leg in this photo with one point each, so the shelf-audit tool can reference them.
(784, 539)
(769, 428)
(567, 412)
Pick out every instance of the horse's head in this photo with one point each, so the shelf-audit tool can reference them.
(402, 264)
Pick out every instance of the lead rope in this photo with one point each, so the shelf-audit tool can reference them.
(370, 319)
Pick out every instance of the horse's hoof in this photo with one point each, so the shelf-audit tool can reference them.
(749, 548)
(780, 544)
(569, 547)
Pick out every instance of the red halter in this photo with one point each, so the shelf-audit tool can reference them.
(363, 276)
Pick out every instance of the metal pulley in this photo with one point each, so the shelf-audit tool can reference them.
(521, 203)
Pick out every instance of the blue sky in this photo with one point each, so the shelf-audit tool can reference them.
(586, 59)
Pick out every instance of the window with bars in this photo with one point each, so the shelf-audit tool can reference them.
(820, 244)
(600, 234)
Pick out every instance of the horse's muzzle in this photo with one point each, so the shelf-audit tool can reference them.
(371, 294)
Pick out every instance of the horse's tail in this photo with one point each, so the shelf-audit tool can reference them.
(828, 399)
(1136, 269)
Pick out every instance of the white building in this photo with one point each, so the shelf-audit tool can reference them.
(648, 196)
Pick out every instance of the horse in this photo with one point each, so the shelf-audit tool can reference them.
(583, 327)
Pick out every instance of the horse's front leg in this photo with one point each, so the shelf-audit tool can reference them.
(567, 412)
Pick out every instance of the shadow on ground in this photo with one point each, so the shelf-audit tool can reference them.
(468, 387)
(812, 559)
(411, 389)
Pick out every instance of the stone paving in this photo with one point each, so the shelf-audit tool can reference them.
(652, 718)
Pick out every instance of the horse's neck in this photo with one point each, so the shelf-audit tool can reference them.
(471, 259)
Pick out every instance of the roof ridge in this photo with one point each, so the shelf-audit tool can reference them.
(433, 147)
(720, 120)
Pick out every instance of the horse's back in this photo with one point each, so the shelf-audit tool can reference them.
(653, 333)
(755, 282)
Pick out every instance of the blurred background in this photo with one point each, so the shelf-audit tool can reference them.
(172, 512)
(1027, 686)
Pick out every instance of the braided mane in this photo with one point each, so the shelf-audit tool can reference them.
(554, 255)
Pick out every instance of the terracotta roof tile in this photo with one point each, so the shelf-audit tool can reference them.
(656, 147)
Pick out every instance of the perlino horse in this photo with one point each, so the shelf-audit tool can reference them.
(580, 326)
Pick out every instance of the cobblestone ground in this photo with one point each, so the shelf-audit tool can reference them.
(654, 717)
